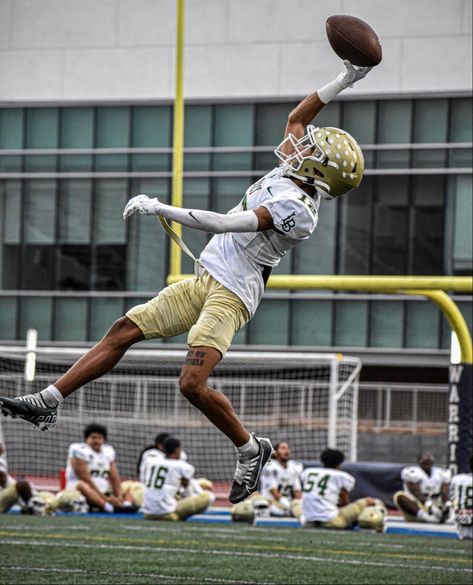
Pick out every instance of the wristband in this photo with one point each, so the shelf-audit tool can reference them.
(329, 91)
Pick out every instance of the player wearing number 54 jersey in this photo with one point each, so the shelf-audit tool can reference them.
(326, 502)
(162, 482)
(276, 214)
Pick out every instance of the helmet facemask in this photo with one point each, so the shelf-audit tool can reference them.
(327, 158)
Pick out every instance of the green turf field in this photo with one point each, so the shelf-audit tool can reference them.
(78, 549)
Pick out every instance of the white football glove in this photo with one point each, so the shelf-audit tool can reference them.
(142, 204)
(352, 74)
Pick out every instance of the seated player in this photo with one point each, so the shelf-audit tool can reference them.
(154, 453)
(326, 501)
(162, 483)
(425, 493)
(92, 471)
(281, 484)
(461, 492)
(11, 491)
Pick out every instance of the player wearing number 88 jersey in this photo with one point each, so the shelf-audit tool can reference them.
(325, 499)
(162, 482)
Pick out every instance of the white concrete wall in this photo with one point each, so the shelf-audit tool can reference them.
(74, 50)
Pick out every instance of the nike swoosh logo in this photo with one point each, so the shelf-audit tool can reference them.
(194, 217)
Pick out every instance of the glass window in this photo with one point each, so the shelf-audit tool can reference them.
(355, 230)
(311, 323)
(42, 126)
(109, 267)
(198, 132)
(11, 211)
(151, 127)
(75, 210)
(391, 231)
(394, 127)
(233, 126)
(430, 125)
(427, 233)
(462, 245)
(351, 324)
(386, 324)
(8, 318)
(74, 266)
(461, 130)
(359, 119)
(11, 267)
(70, 320)
(38, 267)
(36, 313)
(270, 124)
(422, 324)
(77, 131)
(11, 136)
(270, 325)
(103, 313)
(113, 131)
(40, 211)
(111, 196)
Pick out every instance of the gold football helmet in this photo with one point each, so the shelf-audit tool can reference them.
(328, 158)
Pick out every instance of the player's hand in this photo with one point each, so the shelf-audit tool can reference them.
(352, 74)
(142, 204)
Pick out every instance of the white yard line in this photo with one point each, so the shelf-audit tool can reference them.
(293, 557)
(168, 577)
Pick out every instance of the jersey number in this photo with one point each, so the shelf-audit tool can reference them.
(156, 477)
(312, 481)
(465, 498)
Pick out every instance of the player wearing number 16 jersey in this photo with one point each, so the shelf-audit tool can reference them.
(162, 482)
(461, 493)
(276, 214)
(325, 497)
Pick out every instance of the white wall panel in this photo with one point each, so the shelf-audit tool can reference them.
(124, 49)
(27, 75)
(131, 74)
(63, 23)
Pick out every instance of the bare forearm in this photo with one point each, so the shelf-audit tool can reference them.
(306, 111)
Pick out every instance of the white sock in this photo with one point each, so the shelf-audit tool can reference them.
(107, 507)
(52, 397)
(249, 449)
(425, 517)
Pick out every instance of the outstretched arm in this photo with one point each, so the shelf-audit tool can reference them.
(305, 112)
(199, 219)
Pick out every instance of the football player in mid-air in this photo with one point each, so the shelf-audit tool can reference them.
(276, 213)
(425, 494)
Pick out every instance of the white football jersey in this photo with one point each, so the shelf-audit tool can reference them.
(151, 456)
(284, 479)
(236, 260)
(4, 469)
(430, 485)
(161, 484)
(98, 464)
(321, 487)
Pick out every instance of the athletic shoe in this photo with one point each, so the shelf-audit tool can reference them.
(31, 408)
(130, 509)
(248, 471)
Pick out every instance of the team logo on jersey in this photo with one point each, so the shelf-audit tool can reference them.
(288, 223)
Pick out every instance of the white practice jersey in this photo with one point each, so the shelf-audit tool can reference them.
(4, 469)
(321, 487)
(237, 260)
(151, 456)
(430, 485)
(284, 479)
(98, 464)
(162, 482)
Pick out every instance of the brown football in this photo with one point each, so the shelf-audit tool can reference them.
(353, 39)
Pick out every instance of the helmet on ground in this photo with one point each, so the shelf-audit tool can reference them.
(40, 501)
(328, 158)
(373, 516)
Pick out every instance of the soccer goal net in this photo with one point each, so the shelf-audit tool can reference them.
(306, 399)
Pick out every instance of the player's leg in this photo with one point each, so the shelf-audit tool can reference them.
(412, 509)
(194, 504)
(222, 315)
(41, 408)
(156, 318)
